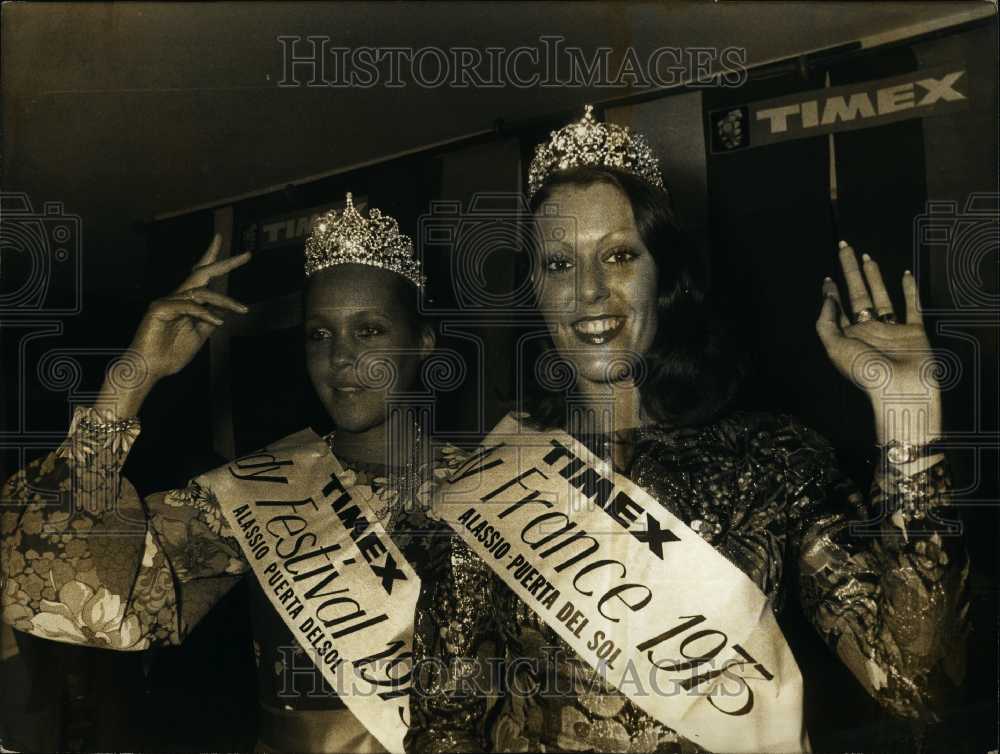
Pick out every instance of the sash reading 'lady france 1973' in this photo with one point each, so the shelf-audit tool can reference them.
(648, 603)
(331, 571)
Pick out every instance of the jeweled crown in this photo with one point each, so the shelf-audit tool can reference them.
(589, 142)
(350, 238)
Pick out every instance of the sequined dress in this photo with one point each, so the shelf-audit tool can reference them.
(766, 492)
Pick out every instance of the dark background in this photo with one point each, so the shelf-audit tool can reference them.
(120, 113)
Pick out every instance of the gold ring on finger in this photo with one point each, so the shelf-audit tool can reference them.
(865, 315)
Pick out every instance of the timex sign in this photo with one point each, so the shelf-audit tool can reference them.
(920, 94)
(289, 228)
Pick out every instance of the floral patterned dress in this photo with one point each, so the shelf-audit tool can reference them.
(86, 561)
(766, 493)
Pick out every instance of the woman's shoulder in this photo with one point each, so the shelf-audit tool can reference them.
(770, 425)
(767, 438)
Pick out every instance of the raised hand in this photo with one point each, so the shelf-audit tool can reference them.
(173, 330)
(891, 361)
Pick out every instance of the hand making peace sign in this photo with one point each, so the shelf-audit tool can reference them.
(174, 329)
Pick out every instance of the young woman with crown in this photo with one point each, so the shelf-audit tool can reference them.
(651, 534)
(331, 529)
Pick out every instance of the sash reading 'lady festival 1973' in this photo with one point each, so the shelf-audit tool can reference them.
(331, 571)
(648, 603)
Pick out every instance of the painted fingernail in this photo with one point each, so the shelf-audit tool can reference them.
(866, 258)
(842, 245)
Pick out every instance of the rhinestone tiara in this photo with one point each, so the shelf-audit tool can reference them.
(350, 238)
(589, 142)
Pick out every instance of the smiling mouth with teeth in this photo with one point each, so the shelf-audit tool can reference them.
(598, 330)
(348, 389)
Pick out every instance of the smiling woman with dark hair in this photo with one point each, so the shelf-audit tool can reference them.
(691, 370)
(640, 440)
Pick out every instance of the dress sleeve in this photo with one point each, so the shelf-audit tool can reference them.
(456, 646)
(890, 601)
(86, 561)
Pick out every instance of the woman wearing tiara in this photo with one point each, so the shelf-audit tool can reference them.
(731, 514)
(307, 517)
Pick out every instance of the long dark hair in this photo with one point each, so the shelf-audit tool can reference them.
(692, 370)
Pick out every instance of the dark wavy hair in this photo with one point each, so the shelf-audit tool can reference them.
(692, 370)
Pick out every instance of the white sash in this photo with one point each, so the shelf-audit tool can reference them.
(331, 572)
(648, 603)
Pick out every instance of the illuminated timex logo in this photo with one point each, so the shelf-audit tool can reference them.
(888, 99)
(919, 94)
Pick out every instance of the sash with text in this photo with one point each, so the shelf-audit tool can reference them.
(331, 572)
(650, 605)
